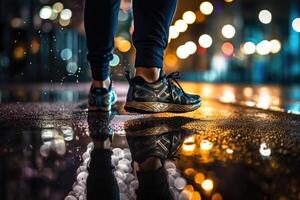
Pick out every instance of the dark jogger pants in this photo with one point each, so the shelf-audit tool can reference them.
(152, 19)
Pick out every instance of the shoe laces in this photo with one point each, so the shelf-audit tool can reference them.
(174, 76)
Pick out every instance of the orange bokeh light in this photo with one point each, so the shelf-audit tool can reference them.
(228, 49)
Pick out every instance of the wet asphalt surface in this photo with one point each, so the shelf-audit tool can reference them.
(227, 152)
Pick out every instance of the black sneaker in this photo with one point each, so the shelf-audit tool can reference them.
(164, 146)
(101, 99)
(164, 95)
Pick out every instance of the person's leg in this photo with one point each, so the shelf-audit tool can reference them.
(152, 20)
(151, 90)
(153, 181)
(101, 20)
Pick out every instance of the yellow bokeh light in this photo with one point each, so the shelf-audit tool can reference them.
(189, 140)
(189, 171)
(216, 196)
(199, 178)
(196, 196)
(189, 188)
(206, 8)
(124, 46)
(188, 147)
(63, 22)
(19, 53)
(171, 60)
(58, 7)
(207, 184)
(228, 1)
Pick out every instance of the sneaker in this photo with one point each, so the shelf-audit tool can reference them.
(164, 146)
(101, 99)
(164, 95)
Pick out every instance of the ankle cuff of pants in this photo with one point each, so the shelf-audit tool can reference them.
(100, 73)
(149, 57)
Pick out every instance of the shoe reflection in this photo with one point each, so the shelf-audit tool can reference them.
(101, 181)
(152, 142)
(141, 172)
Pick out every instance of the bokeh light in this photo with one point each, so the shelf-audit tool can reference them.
(216, 196)
(205, 41)
(123, 45)
(189, 17)
(263, 48)
(249, 48)
(66, 54)
(182, 52)
(115, 61)
(296, 25)
(58, 7)
(19, 53)
(191, 47)
(265, 16)
(228, 31)
(63, 22)
(180, 25)
(275, 46)
(206, 8)
(72, 67)
(45, 12)
(66, 14)
(171, 60)
(173, 32)
(207, 185)
(199, 178)
(264, 150)
(206, 145)
(228, 49)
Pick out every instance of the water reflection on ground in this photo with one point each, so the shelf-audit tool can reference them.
(271, 97)
(221, 151)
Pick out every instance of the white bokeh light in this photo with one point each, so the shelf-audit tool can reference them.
(263, 48)
(66, 14)
(205, 41)
(264, 150)
(265, 16)
(180, 25)
(189, 17)
(191, 47)
(249, 48)
(182, 52)
(173, 32)
(206, 8)
(228, 31)
(45, 12)
(296, 25)
(275, 46)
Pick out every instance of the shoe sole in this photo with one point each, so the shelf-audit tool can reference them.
(159, 107)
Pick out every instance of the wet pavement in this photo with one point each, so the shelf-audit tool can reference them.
(55, 149)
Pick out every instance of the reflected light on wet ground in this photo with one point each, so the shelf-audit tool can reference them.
(270, 97)
(229, 152)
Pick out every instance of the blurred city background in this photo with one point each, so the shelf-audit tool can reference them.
(252, 45)
(241, 41)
